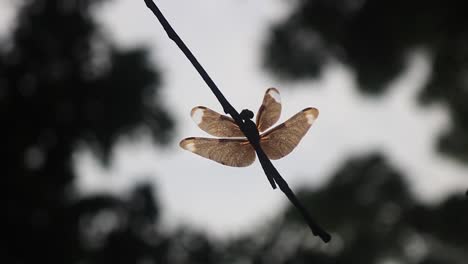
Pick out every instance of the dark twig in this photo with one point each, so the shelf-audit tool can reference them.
(246, 125)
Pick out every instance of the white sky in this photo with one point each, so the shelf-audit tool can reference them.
(227, 37)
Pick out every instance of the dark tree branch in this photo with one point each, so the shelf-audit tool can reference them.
(246, 125)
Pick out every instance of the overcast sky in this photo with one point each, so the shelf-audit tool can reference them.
(227, 37)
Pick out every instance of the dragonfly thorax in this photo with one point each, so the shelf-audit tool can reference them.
(251, 130)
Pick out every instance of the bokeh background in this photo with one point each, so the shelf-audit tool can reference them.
(94, 99)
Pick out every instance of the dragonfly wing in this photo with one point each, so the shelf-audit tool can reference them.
(270, 110)
(227, 151)
(214, 123)
(281, 140)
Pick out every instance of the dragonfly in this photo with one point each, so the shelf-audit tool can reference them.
(232, 148)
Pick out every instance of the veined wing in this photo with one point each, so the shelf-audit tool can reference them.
(281, 140)
(214, 123)
(270, 110)
(227, 151)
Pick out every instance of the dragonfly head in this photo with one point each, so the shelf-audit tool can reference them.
(246, 114)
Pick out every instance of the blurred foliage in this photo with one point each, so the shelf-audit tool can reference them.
(64, 85)
(374, 38)
(373, 218)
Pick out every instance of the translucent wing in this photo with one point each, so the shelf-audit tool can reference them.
(214, 123)
(270, 110)
(281, 140)
(227, 151)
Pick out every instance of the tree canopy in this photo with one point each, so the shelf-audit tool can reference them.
(64, 84)
(374, 39)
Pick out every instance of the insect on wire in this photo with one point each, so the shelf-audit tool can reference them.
(245, 124)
